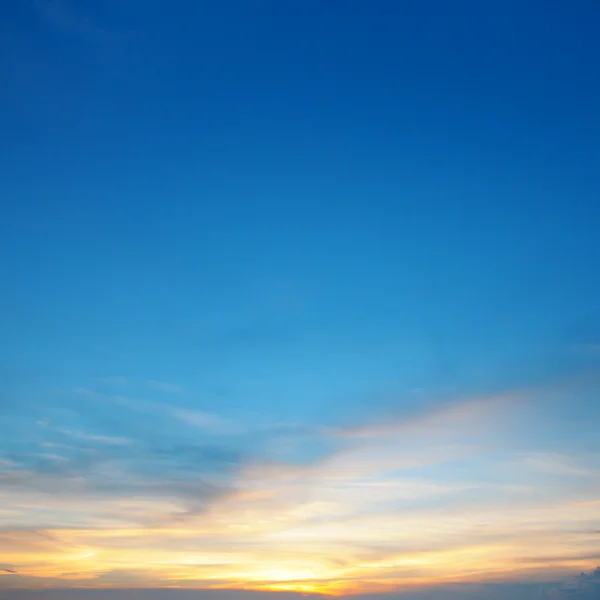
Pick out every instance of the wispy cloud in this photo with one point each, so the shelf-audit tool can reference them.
(442, 416)
(446, 494)
(162, 386)
(104, 439)
(555, 463)
(191, 417)
(202, 420)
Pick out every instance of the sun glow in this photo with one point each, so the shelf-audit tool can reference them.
(371, 516)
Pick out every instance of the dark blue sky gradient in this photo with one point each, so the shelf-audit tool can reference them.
(308, 198)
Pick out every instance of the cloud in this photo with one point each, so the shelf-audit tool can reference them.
(151, 594)
(442, 415)
(202, 420)
(72, 475)
(103, 439)
(89, 465)
(189, 416)
(582, 587)
(560, 464)
(447, 494)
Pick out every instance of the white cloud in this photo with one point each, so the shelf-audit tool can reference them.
(202, 420)
(104, 439)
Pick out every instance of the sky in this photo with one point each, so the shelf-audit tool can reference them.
(299, 297)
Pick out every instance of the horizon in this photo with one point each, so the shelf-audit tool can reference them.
(585, 586)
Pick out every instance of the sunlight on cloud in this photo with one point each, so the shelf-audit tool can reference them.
(447, 495)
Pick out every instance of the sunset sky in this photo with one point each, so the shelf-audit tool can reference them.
(299, 296)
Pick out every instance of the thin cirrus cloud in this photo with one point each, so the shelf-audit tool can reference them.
(162, 386)
(192, 417)
(378, 506)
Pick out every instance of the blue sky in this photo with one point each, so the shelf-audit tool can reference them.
(315, 262)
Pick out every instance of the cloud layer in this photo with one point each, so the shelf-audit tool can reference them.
(108, 490)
